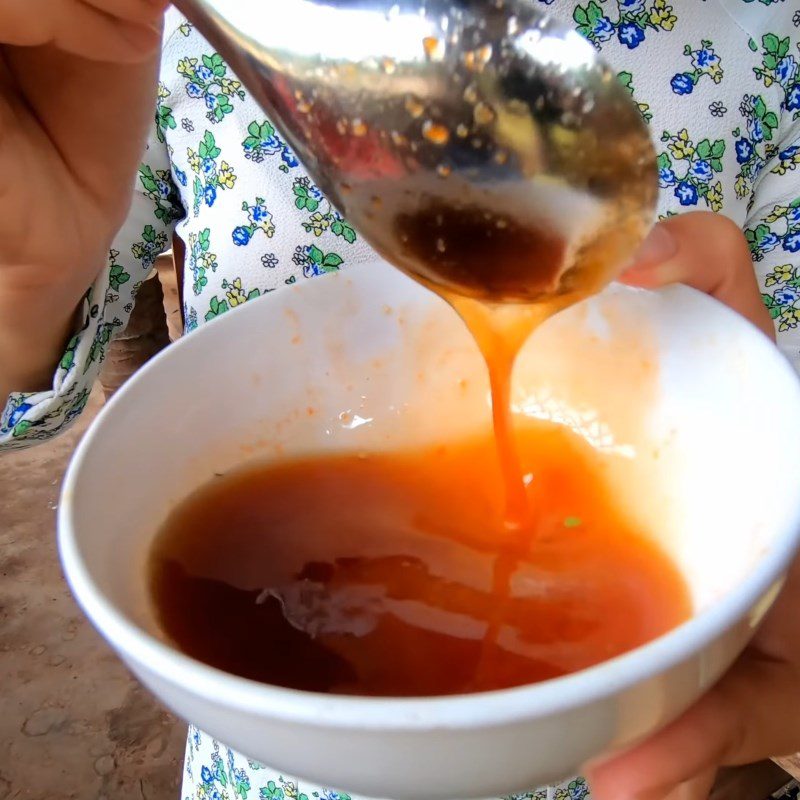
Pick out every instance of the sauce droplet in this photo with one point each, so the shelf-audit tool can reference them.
(398, 139)
(433, 47)
(359, 127)
(483, 113)
(501, 157)
(414, 106)
(435, 133)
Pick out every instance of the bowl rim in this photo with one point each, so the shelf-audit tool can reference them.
(390, 714)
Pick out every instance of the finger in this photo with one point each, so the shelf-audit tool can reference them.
(121, 31)
(697, 788)
(708, 252)
(743, 719)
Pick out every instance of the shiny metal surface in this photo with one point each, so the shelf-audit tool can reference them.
(477, 145)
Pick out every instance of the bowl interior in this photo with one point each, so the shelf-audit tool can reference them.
(671, 387)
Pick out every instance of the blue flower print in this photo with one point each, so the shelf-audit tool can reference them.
(190, 315)
(259, 218)
(180, 176)
(791, 242)
(289, 158)
(666, 177)
(18, 413)
(754, 146)
(705, 62)
(702, 171)
(786, 71)
(686, 193)
(702, 160)
(780, 227)
(630, 34)
(261, 141)
(781, 68)
(744, 150)
(209, 175)
(241, 236)
(206, 79)
(706, 57)
(633, 19)
(260, 213)
(204, 73)
(755, 129)
(786, 295)
(682, 83)
(769, 242)
(603, 29)
(206, 775)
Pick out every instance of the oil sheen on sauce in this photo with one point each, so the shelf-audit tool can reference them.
(394, 574)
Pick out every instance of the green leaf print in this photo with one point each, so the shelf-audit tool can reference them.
(302, 199)
(341, 228)
(215, 64)
(117, 276)
(315, 254)
(215, 308)
(147, 179)
(332, 261)
(704, 149)
(208, 146)
(21, 428)
(165, 118)
(773, 308)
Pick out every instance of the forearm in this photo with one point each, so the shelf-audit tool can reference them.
(36, 324)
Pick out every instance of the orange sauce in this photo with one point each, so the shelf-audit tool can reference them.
(393, 574)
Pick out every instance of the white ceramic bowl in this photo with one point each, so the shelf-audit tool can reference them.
(678, 391)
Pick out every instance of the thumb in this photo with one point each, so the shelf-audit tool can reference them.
(708, 252)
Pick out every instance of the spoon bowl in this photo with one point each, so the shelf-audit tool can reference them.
(478, 146)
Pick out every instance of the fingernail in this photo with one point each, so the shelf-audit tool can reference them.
(659, 246)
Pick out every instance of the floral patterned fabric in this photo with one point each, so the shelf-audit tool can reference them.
(718, 82)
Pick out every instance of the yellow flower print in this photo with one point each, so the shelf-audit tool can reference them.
(680, 146)
(186, 66)
(789, 318)
(318, 224)
(235, 294)
(778, 212)
(740, 186)
(194, 159)
(661, 15)
(230, 86)
(226, 175)
(162, 91)
(780, 274)
(714, 196)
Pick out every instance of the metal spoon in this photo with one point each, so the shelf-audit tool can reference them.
(477, 145)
